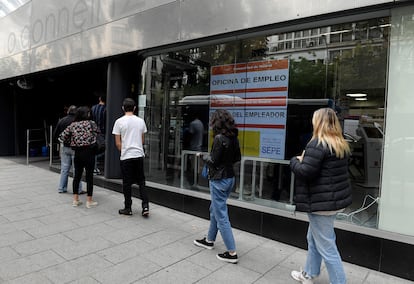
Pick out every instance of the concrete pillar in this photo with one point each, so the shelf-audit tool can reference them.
(117, 90)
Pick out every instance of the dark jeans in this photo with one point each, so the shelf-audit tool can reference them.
(84, 159)
(133, 172)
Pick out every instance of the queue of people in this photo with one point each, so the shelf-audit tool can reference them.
(78, 131)
(322, 185)
(322, 189)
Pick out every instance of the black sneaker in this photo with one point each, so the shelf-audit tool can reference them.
(204, 244)
(145, 212)
(227, 257)
(125, 211)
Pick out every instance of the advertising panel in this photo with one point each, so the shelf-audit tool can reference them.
(256, 93)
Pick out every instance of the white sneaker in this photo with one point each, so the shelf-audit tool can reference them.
(301, 277)
(90, 204)
(76, 203)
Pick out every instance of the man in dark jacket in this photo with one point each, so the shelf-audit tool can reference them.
(66, 153)
(99, 116)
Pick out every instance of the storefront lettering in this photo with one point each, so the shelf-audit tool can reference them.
(265, 114)
(64, 20)
(271, 150)
(225, 81)
(269, 78)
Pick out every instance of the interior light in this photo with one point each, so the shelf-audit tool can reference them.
(357, 95)
(360, 99)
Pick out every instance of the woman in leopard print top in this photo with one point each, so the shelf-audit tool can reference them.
(81, 135)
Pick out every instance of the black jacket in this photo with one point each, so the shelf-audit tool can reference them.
(321, 180)
(61, 125)
(225, 151)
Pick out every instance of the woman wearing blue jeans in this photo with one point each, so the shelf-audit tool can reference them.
(67, 156)
(66, 153)
(322, 189)
(225, 151)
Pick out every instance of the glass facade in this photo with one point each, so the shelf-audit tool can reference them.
(397, 179)
(272, 84)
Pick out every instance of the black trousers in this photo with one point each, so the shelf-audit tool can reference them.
(133, 172)
(84, 159)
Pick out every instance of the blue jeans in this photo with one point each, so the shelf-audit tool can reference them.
(66, 161)
(219, 217)
(322, 245)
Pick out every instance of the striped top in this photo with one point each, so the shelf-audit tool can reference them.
(99, 116)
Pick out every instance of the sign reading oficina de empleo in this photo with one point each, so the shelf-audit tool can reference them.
(256, 94)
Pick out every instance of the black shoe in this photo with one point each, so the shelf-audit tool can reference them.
(145, 212)
(203, 243)
(227, 257)
(125, 211)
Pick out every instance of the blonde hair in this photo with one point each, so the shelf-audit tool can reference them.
(328, 131)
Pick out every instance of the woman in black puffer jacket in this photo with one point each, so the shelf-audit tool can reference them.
(322, 189)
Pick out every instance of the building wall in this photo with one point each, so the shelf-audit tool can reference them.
(45, 34)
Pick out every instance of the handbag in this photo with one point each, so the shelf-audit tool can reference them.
(100, 143)
(204, 172)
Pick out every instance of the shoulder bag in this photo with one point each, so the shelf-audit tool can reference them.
(100, 142)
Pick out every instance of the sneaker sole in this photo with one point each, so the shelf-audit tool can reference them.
(201, 245)
(91, 206)
(234, 261)
(300, 279)
(129, 214)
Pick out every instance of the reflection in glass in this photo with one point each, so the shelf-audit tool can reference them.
(325, 64)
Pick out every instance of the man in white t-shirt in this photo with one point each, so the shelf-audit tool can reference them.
(129, 139)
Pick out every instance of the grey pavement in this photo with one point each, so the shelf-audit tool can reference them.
(43, 239)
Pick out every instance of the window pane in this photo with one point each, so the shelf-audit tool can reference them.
(330, 69)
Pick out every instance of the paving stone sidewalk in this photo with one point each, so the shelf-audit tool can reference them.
(43, 239)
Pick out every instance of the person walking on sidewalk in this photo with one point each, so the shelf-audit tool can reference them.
(322, 189)
(225, 151)
(81, 135)
(66, 153)
(128, 131)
